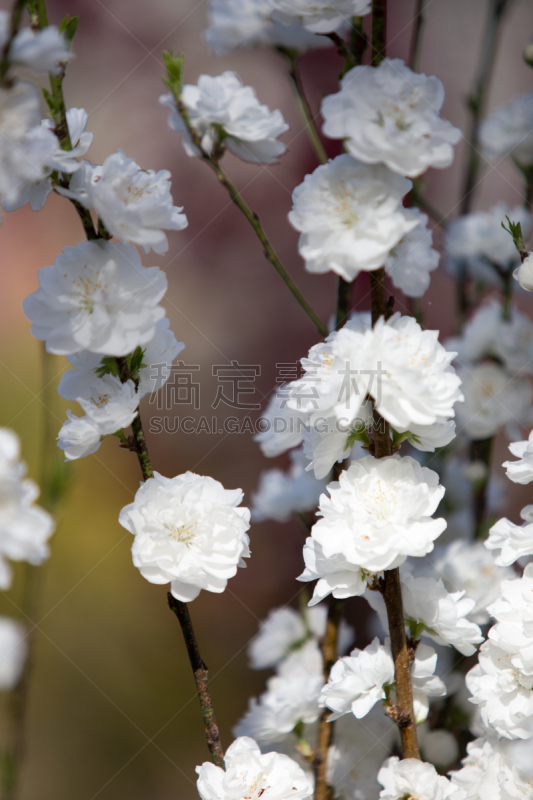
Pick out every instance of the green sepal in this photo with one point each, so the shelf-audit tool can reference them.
(358, 434)
(108, 366)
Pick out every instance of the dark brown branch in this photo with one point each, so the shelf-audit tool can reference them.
(390, 585)
(199, 669)
(325, 728)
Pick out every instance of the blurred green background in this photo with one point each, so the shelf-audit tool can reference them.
(113, 711)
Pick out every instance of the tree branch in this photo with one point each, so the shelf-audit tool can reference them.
(199, 669)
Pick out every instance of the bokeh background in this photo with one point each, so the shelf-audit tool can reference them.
(112, 708)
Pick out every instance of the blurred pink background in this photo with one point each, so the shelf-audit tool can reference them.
(113, 712)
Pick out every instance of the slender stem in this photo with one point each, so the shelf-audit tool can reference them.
(419, 200)
(481, 451)
(199, 669)
(344, 305)
(379, 31)
(391, 586)
(14, 25)
(138, 444)
(416, 41)
(325, 728)
(269, 251)
(478, 98)
(358, 40)
(253, 219)
(304, 107)
(343, 51)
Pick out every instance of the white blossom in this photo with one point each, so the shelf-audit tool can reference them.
(250, 775)
(79, 437)
(521, 471)
(25, 145)
(250, 129)
(524, 273)
(155, 370)
(64, 161)
(502, 693)
(493, 399)
(327, 442)
(350, 216)
(189, 532)
(41, 50)
(514, 541)
(390, 115)
(96, 297)
(281, 494)
(424, 681)
(478, 777)
(414, 779)
(441, 615)
(411, 261)
(358, 681)
(24, 527)
(241, 23)
(467, 566)
(509, 132)
(291, 697)
(479, 239)
(109, 406)
(285, 630)
(378, 513)
(402, 367)
(134, 204)
(488, 335)
(334, 573)
(358, 752)
(321, 16)
(281, 426)
(13, 652)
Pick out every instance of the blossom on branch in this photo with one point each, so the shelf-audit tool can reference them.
(42, 50)
(412, 779)
(96, 297)
(410, 262)
(134, 204)
(509, 132)
(321, 16)
(377, 514)
(250, 775)
(24, 526)
(350, 216)
(189, 532)
(244, 23)
(223, 111)
(390, 115)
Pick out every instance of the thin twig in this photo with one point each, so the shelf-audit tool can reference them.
(303, 105)
(14, 25)
(325, 728)
(416, 40)
(253, 219)
(199, 669)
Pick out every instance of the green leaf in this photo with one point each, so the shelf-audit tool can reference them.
(108, 366)
(515, 231)
(69, 26)
(135, 361)
(358, 434)
(398, 438)
(174, 66)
